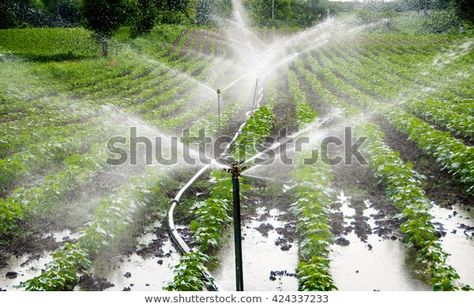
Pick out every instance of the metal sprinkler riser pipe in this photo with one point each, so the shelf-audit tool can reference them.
(236, 169)
(219, 107)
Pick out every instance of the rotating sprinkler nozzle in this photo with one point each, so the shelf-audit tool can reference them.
(236, 168)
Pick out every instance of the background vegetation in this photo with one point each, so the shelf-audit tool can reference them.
(439, 15)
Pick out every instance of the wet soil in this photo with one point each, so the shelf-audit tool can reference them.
(357, 180)
(269, 241)
(270, 200)
(94, 283)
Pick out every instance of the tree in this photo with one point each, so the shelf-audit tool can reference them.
(63, 13)
(20, 13)
(103, 17)
(144, 17)
(464, 9)
(274, 12)
(203, 11)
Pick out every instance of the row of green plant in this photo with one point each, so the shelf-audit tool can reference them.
(452, 154)
(437, 113)
(48, 154)
(445, 115)
(111, 227)
(399, 80)
(19, 136)
(134, 83)
(49, 199)
(188, 273)
(314, 197)
(304, 113)
(257, 128)
(422, 68)
(404, 189)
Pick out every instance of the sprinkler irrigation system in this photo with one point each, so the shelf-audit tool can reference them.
(235, 169)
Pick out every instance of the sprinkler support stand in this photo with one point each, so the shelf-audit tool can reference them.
(219, 107)
(236, 170)
(255, 93)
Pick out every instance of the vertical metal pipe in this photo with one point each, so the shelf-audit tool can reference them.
(255, 93)
(237, 232)
(219, 108)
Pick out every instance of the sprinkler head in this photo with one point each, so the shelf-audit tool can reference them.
(218, 91)
(236, 168)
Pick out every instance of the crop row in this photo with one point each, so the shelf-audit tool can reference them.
(444, 114)
(48, 154)
(422, 72)
(112, 222)
(452, 154)
(427, 109)
(304, 113)
(404, 190)
(54, 191)
(406, 193)
(314, 198)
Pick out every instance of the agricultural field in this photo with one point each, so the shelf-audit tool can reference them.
(398, 215)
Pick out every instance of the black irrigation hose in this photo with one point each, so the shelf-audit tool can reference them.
(176, 239)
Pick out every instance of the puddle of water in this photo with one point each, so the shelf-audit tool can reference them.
(457, 242)
(147, 274)
(346, 209)
(260, 257)
(25, 269)
(60, 236)
(357, 267)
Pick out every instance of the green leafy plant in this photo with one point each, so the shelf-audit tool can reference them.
(314, 198)
(62, 273)
(188, 273)
(304, 113)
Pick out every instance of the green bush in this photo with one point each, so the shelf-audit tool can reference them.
(444, 21)
(144, 17)
(170, 17)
